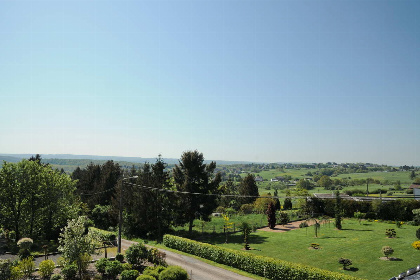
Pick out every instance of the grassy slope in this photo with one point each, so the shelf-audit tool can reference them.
(361, 243)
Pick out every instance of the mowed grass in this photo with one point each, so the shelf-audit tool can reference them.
(360, 243)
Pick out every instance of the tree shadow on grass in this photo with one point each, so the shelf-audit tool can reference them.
(353, 269)
(356, 229)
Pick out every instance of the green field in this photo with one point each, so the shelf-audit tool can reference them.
(360, 243)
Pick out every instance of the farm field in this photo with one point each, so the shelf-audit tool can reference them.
(360, 243)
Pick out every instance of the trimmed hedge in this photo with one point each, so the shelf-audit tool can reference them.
(259, 265)
(103, 235)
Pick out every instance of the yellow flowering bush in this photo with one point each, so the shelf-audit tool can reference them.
(416, 244)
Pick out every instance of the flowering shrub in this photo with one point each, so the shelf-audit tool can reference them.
(416, 244)
(25, 243)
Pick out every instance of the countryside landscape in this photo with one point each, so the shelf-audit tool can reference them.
(209, 139)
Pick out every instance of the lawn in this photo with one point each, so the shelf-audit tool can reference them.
(360, 243)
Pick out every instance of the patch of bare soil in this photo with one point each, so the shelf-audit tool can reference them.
(288, 227)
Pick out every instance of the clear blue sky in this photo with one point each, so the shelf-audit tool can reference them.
(268, 81)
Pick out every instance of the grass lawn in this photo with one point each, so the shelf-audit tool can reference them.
(360, 243)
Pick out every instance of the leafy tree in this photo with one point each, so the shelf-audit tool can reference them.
(345, 263)
(304, 184)
(325, 182)
(35, 200)
(271, 215)
(283, 218)
(75, 244)
(192, 175)
(226, 226)
(387, 251)
(261, 204)
(248, 187)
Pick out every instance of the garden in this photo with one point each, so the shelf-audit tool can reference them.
(370, 249)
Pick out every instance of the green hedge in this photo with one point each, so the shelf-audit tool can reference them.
(263, 266)
(104, 235)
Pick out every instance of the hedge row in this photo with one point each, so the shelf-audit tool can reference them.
(263, 266)
(104, 235)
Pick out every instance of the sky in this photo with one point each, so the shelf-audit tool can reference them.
(259, 81)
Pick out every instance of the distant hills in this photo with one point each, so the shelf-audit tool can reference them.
(72, 161)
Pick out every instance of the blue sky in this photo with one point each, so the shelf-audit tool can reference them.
(262, 81)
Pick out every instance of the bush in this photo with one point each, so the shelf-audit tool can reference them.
(25, 243)
(247, 208)
(391, 233)
(416, 245)
(345, 262)
(156, 257)
(56, 277)
(113, 268)
(46, 268)
(24, 254)
(15, 273)
(303, 224)
(145, 277)
(69, 271)
(173, 273)
(100, 265)
(119, 257)
(129, 275)
(267, 267)
(27, 266)
(387, 251)
(418, 233)
(136, 254)
(5, 269)
(127, 266)
(152, 272)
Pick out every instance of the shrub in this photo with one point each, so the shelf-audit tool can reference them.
(136, 253)
(25, 243)
(391, 233)
(387, 251)
(418, 233)
(173, 273)
(315, 245)
(5, 269)
(416, 245)
(69, 271)
(15, 273)
(247, 208)
(345, 262)
(303, 224)
(101, 265)
(129, 275)
(267, 267)
(127, 266)
(152, 272)
(119, 257)
(156, 257)
(46, 268)
(145, 277)
(113, 268)
(56, 277)
(24, 254)
(27, 266)
(399, 224)
(103, 235)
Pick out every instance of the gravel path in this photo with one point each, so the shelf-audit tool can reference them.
(197, 269)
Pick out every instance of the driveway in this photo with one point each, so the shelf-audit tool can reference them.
(197, 269)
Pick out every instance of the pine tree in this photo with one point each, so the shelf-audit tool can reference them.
(248, 187)
(271, 215)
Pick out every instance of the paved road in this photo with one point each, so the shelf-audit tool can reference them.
(197, 269)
